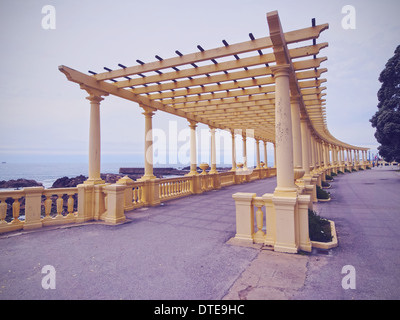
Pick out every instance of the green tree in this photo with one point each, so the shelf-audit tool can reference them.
(387, 119)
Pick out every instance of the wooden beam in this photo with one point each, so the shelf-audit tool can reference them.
(243, 47)
(83, 79)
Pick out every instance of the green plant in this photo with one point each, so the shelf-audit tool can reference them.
(333, 174)
(340, 172)
(346, 170)
(322, 194)
(353, 170)
(328, 177)
(360, 169)
(319, 228)
(368, 168)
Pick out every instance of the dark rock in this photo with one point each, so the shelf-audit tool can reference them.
(19, 183)
(66, 182)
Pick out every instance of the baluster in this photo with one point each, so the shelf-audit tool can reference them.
(259, 236)
(59, 204)
(139, 194)
(135, 195)
(3, 211)
(70, 206)
(47, 207)
(15, 210)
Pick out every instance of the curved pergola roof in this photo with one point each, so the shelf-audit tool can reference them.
(229, 87)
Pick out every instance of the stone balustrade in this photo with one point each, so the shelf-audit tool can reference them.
(36, 207)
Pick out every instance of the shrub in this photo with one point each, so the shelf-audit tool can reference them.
(340, 172)
(325, 184)
(322, 194)
(346, 170)
(328, 177)
(360, 169)
(319, 228)
(333, 174)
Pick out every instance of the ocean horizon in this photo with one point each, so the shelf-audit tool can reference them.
(47, 173)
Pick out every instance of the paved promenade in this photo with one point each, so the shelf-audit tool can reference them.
(179, 251)
(366, 209)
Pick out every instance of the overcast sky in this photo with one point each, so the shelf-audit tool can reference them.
(44, 117)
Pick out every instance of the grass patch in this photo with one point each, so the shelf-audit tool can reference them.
(319, 228)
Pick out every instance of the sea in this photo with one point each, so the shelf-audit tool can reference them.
(47, 173)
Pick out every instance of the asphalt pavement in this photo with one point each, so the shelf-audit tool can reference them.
(180, 251)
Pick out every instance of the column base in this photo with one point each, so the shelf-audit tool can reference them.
(146, 178)
(192, 173)
(285, 248)
(94, 181)
(285, 192)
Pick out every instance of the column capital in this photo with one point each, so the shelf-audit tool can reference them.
(147, 111)
(281, 70)
(192, 124)
(94, 94)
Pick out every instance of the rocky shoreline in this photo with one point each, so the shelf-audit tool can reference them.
(19, 183)
(66, 182)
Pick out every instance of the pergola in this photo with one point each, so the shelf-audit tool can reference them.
(271, 85)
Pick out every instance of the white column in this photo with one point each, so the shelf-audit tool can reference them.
(233, 151)
(313, 165)
(348, 157)
(244, 138)
(283, 132)
(148, 143)
(305, 146)
(213, 152)
(296, 132)
(265, 154)
(193, 153)
(258, 154)
(94, 140)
